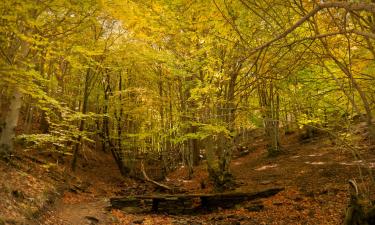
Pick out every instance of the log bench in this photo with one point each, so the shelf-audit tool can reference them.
(186, 203)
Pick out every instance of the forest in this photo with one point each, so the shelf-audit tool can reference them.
(187, 112)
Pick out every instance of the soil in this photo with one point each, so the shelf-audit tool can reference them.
(91, 211)
(314, 174)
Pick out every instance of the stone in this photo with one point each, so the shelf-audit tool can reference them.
(92, 220)
(138, 221)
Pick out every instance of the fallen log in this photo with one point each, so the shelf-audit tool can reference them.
(163, 186)
(180, 203)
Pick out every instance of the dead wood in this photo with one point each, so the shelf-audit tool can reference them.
(179, 203)
(163, 186)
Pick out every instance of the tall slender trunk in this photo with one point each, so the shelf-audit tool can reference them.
(270, 110)
(105, 121)
(361, 93)
(189, 151)
(29, 118)
(78, 145)
(119, 117)
(347, 71)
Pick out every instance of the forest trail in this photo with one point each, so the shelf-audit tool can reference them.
(87, 199)
(313, 174)
(82, 213)
(109, 98)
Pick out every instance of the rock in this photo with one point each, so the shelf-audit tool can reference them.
(243, 153)
(138, 221)
(114, 219)
(265, 182)
(92, 220)
(180, 222)
(18, 194)
(277, 203)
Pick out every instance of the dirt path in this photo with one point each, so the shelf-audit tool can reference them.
(87, 198)
(91, 211)
(314, 175)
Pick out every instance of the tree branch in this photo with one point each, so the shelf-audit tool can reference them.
(152, 181)
(368, 7)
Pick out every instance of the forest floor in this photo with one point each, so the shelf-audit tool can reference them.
(34, 190)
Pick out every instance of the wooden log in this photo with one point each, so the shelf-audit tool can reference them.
(248, 195)
(184, 202)
(122, 203)
(172, 205)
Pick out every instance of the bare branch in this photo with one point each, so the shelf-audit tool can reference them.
(368, 7)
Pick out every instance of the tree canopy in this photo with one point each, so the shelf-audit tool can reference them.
(182, 80)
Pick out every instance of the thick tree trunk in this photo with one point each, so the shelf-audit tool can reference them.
(218, 152)
(219, 161)
(11, 120)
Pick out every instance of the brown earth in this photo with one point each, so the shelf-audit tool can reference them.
(314, 174)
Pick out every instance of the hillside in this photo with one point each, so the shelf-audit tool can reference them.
(187, 112)
(314, 174)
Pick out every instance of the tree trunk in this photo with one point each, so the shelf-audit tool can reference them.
(347, 71)
(218, 165)
(270, 112)
(187, 109)
(78, 145)
(29, 118)
(11, 120)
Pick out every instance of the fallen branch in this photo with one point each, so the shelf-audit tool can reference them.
(152, 181)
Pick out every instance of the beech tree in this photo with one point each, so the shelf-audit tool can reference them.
(181, 81)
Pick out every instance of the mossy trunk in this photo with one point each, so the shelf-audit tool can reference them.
(219, 154)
